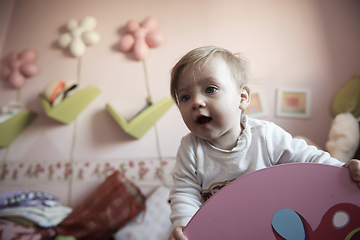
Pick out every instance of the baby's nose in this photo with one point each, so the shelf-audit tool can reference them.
(198, 102)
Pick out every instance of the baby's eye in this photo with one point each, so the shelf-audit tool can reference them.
(210, 90)
(185, 98)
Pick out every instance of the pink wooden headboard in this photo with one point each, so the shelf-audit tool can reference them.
(290, 201)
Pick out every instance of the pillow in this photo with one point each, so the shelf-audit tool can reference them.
(156, 223)
(114, 203)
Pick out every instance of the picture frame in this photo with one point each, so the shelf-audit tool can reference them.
(257, 107)
(293, 102)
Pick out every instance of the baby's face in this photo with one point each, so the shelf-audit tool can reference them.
(209, 102)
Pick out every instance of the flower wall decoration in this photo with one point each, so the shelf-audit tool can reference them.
(19, 67)
(80, 34)
(141, 37)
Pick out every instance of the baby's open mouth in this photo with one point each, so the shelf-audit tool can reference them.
(203, 120)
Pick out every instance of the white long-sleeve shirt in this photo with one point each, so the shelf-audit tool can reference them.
(202, 169)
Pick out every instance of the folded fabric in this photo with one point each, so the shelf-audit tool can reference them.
(27, 198)
(23, 221)
(41, 215)
(14, 231)
(156, 224)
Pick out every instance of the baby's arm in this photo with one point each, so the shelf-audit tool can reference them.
(354, 167)
(284, 148)
(185, 197)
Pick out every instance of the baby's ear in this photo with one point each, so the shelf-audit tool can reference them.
(245, 97)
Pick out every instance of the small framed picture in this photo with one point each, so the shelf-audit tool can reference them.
(292, 102)
(257, 107)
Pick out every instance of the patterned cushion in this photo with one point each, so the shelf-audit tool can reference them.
(114, 203)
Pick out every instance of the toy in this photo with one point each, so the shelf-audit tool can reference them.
(67, 109)
(57, 91)
(347, 99)
(344, 137)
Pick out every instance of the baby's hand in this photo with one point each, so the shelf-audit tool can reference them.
(177, 234)
(354, 167)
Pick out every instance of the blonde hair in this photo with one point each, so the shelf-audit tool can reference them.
(198, 57)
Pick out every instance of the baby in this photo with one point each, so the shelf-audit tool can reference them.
(210, 87)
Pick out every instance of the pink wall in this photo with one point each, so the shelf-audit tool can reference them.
(298, 44)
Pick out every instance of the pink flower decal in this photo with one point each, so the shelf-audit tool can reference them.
(141, 37)
(19, 67)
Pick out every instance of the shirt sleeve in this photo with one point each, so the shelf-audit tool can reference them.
(185, 197)
(283, 148)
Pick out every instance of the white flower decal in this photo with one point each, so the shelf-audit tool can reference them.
(80, 35)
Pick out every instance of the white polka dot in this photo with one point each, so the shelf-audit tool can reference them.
(340, 219)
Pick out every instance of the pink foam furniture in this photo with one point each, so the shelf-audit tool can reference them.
(289, 201)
